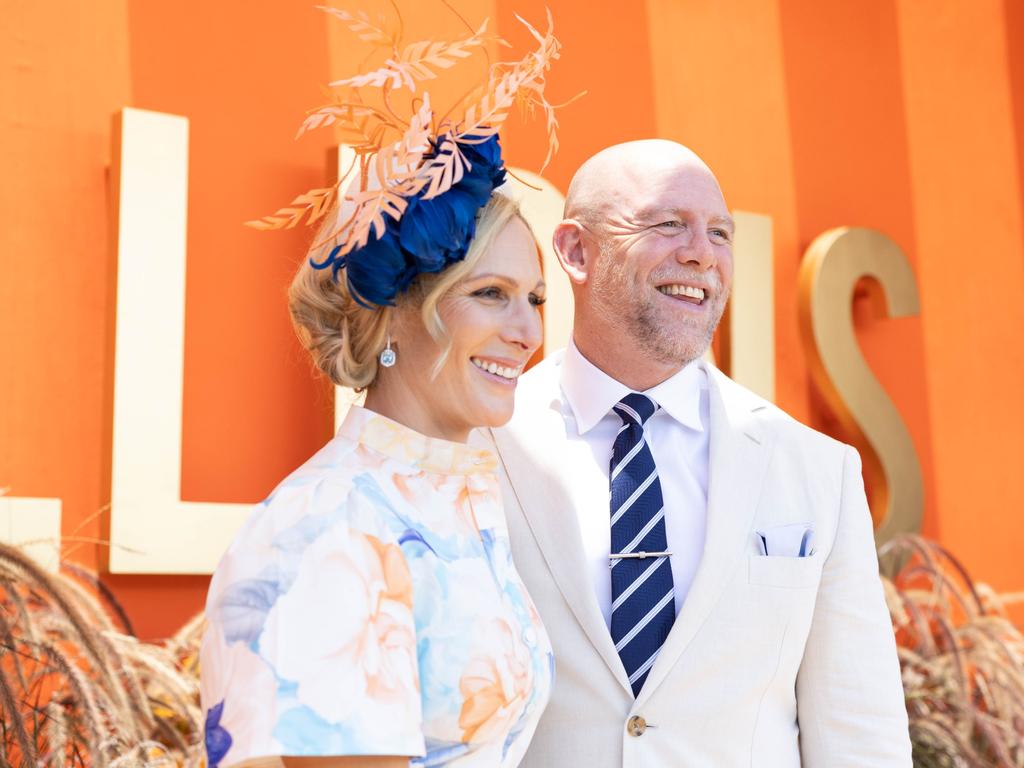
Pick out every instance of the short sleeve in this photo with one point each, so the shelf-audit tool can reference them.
(311, 644)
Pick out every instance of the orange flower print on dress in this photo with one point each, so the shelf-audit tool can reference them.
(495, 684)
(361, 638)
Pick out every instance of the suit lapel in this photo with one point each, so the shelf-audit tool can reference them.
(532, 452)
(739, 451)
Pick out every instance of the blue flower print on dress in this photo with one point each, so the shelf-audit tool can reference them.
(218, 740)
(243, 608)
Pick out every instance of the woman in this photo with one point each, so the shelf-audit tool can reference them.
(368, 613)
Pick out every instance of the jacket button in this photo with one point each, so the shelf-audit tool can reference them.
(636, 725)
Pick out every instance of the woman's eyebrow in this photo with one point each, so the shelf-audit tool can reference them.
(493, 276)
(540, 286)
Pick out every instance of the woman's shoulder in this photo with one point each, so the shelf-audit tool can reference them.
(340, 491)
(315, 571)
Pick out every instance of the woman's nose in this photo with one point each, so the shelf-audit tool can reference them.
(525, 329)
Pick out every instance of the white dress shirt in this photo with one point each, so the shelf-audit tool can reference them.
(678, 438)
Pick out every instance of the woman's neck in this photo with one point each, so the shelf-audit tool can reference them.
(404, 405)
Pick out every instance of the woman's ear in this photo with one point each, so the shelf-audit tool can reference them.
(569, 247)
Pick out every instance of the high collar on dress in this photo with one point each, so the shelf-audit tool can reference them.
(399, 442)
(591, 392)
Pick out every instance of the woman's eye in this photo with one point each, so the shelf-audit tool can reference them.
(491, 292)
(536, 300)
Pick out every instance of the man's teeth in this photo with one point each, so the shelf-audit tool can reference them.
(497, 370)
(682, 290)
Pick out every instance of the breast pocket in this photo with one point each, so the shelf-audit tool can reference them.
(785, 572)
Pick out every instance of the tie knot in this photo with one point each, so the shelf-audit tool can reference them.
(635, 408)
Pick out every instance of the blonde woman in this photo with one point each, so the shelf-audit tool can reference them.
(370, 606)
(369, 613)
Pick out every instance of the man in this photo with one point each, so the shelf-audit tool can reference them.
(704, 564)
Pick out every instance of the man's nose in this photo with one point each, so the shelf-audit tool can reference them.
(698, 252)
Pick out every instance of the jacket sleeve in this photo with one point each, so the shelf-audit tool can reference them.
(850, 705)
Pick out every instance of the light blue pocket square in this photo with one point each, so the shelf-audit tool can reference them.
(794, 540)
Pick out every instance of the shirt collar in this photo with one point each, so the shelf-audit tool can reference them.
(591, 392)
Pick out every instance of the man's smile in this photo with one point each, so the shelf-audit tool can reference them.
(680, 291)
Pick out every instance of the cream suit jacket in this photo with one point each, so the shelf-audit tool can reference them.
(772, 661)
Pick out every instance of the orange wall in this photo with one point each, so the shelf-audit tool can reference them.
(891, 114)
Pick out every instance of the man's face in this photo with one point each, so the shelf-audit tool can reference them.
(663, 270)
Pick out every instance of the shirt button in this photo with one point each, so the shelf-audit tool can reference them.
(636, 726)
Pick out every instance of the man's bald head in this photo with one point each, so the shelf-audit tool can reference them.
(615, 176)
(647, 244)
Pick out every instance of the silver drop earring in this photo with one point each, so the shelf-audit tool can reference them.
(387, 355)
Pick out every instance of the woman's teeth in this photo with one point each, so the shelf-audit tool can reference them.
(683, 290)
(497, 370)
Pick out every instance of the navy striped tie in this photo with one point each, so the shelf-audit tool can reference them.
(643, 608)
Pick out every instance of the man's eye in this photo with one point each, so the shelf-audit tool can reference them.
(671, 224)
(720, 233)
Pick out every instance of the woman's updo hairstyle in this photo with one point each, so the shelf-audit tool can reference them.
(345, 338)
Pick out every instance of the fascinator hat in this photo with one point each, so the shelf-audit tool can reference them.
(421, 172)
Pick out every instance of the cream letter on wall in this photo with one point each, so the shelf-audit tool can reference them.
(542, 208)
(748, 341)
(151, 529)
(33, 524)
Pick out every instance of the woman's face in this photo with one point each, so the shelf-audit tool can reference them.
(493, 322)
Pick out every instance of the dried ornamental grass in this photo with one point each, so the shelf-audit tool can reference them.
(962, 659)
(77, 689)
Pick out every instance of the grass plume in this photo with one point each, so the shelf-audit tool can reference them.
(961, 657)
(77, 689)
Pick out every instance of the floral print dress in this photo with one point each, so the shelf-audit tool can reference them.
(370, 607)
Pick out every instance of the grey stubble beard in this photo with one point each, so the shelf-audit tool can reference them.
(666, 346)
(640, 318)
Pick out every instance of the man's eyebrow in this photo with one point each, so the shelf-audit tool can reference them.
(647, 214)
(725, 221)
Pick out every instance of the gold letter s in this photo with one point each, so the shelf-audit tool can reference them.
(833, 264)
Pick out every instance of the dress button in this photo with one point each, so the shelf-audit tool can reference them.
(636, 725)
(530, 637)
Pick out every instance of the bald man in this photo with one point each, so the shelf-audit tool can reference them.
(704, 564)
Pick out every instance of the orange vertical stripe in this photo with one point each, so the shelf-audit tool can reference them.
(720, 89)
(967, 205)
(63, 74)
(605, 54)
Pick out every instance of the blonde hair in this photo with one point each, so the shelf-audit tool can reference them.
(345, 338)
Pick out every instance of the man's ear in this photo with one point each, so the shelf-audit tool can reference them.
(568, 244)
